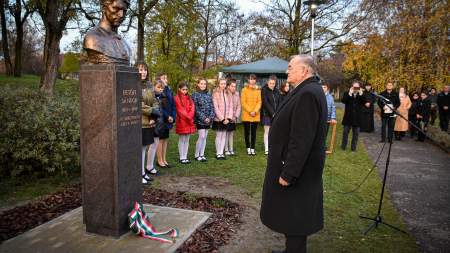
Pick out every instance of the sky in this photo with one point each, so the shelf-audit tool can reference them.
(246, 6)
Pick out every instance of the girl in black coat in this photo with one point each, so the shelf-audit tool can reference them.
(284, 90)
(354, 102)
(270, 97)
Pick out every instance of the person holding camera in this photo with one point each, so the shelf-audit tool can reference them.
(354, 102)
(388, 105)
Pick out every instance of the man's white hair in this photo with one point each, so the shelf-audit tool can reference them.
(309, 61)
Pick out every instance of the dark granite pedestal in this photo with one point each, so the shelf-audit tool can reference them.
(111, 140)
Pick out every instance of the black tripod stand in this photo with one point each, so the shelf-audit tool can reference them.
(378, 219)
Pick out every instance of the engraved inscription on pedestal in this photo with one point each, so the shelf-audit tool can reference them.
(129, 112)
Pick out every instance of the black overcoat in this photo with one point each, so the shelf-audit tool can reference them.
(367, 120)
(353, 109)
(297, 153)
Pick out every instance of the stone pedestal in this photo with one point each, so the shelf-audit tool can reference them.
(111, 146)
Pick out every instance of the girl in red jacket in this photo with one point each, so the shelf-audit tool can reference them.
(185, 120)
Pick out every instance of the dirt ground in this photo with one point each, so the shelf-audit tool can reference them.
(252, 236)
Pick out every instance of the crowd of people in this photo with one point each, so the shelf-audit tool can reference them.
(218, 108)
(400, 113)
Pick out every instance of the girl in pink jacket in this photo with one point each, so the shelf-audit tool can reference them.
(223, 108)
(232, 89)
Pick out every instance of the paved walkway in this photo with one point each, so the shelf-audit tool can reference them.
(419, 185)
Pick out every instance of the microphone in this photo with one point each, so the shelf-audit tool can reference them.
(380, 96)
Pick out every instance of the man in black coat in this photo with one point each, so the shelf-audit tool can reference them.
(387, 108)
(292, 198)
(353, 101)
(443, 101)
(367, 112)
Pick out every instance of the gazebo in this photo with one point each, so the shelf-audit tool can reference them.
(262, 69)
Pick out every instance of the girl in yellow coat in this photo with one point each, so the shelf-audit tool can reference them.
(251, 106)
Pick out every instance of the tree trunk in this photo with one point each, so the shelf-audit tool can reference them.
(19, 38)
(205, 58)
(296, 28)
(51, 60)
(6, 56)
(140, 34)
(18, 50)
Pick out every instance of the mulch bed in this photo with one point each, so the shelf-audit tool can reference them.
(216, 231)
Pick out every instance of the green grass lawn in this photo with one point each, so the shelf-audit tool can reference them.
(31, 81)
(343, 171)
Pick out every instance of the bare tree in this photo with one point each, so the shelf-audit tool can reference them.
(144, 7)
(214, 17)
(55, 14)
(288, 21)
(19, 19)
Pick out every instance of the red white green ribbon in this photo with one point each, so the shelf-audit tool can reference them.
(140, 224)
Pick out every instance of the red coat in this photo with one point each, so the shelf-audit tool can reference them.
(185, 114)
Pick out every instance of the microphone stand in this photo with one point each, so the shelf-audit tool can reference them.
(377, 220)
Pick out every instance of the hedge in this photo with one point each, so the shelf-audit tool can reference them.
(38, 134)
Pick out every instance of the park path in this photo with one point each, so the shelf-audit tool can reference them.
(419, 185)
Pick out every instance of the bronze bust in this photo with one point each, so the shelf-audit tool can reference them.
(102, 44)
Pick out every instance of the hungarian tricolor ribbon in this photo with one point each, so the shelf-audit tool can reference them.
(140, 224)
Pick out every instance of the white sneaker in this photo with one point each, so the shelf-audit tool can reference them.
(266, 152)
(228, 153)
(253, 152)
(249, 151)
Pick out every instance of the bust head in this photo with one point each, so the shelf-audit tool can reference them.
(114, 11)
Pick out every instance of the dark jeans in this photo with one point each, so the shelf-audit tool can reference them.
(250, 133)
(355, 133)
(295, 243)
(412, 129)
(443, 120)
(387, 124)
(433, 115)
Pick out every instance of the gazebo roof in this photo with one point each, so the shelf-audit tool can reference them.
(272, 65)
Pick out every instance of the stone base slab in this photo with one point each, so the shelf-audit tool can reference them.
(67, 233)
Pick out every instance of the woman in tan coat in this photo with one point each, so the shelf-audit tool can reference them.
(401, 125)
